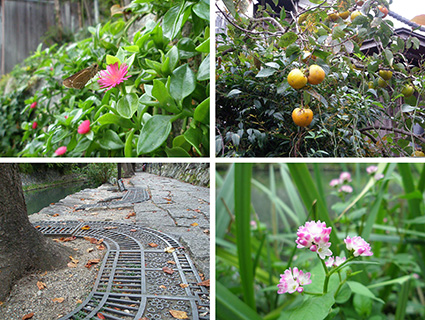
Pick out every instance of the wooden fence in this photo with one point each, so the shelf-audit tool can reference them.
(23, 24)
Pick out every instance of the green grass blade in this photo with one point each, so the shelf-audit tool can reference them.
(225, 197)
(243, 172)
(230, 307)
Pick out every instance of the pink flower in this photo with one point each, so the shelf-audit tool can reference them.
(33, 105)
(113, 75)
(371, 169)
(346, 189)
(334, 182)
(335, 261)
(34, 125)
(345, 176)
(292, 281)
(66, 117)
(315, 236)
(359, 245)
(378, 176)
(60, 151)
(84, 127)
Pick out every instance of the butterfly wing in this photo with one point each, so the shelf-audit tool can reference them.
(79, 79)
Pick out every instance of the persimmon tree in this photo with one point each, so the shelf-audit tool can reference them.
(367, 105)
(22, 247)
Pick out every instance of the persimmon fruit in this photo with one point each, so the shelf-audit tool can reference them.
(316, 74)
(302, 116)
(297, 79)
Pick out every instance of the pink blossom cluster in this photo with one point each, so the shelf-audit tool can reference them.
(335, 261)
(359, 245)
(293, 280)
(372, 170)
(315, 236)
(343, 178)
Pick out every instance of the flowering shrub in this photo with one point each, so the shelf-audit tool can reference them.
(150, 97)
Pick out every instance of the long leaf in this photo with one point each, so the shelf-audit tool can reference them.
(224, 204)
(230, 307)
(243, 172)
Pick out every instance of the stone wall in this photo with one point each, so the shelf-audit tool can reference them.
(194, 173)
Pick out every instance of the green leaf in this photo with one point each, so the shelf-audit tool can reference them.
(314, 308)
(166, 102)
(111, 141)
(202, 9)
(154, 133)
(174, 19)
(183, 82)
(180, 141)
(173, 54)
(194, 137)
(287, 39)
(117, 27)
(128, 149)
(176, 152)
(112, 60)
(127, 105)
(111, 118)
(204, 69)
(265, 72)
(357, 287)
(202, 112)
(133, 48)
(204, 46)
(389, 56)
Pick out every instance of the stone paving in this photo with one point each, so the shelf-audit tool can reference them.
(175, 216)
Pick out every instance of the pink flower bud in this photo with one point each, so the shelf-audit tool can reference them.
(33, 105)
(34, 125)
(60, 151)
(84, 127)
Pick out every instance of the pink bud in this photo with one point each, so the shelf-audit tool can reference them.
(33, 105)
(66, 117)
(60, 151)
(84, 127)
(34, 125)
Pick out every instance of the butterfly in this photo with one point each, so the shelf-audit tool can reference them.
(79, 79)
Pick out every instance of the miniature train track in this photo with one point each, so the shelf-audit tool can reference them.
(131, 283)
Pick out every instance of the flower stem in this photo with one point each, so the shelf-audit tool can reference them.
(325, 285)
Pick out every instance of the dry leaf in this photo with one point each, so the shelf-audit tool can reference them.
(183, 285)
(168, 270)
(110, 228)
(79, 301)
(205, 283)
(163, 287)
(94, 213)
(131, 214)
(169, 249)
(100, 316)
(133, 230)
(86, 227)
(194, 224)
(72, 265)
(73, 260)
(60, 300)
(100, 247)
(37, 227)
(206, 231)
(92, 262)
(153, 245)
(172, 262)
(1, 303)
(55, 215)
(41, 285)
(178, 314)
(197, 210)
(28, 316)
(89, 250)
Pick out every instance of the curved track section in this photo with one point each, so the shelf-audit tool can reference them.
(131, 283)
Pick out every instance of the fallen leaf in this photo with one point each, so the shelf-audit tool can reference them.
(169, 249)
(100, 316)
(206, 231)
(168, 270)
(37, 227)
(183, 285)
(100, 247)
(110, 228)
(178, 314)
(194, 224)
(163, 287)
(92, 262)
(86, 227)
(205, 283)
(133, 230)
(89, 250)
(72, 265)
(41, 285)
(28, 316)
(1, 303)
(73, 260)
(172, 262)
(197, 210)
(60, 300)
(153, 245)
(131, 214)
(94, 213)
(79, 301)
(55, 215)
